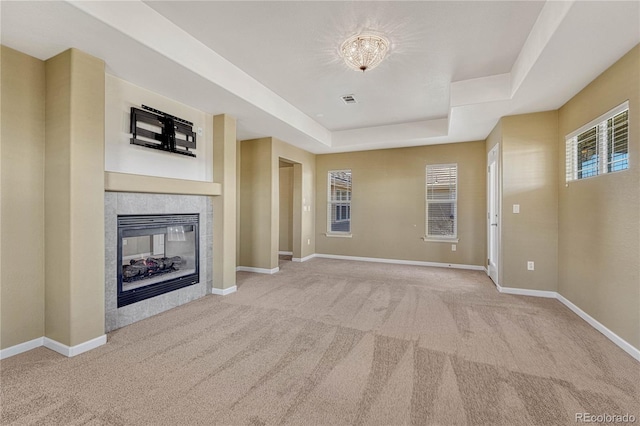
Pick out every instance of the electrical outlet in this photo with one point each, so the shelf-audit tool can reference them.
(124, 241)
(530, 266)
(453, 247)
(516, 208)
(200, 131)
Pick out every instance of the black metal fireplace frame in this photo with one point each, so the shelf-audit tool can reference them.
(127, 223)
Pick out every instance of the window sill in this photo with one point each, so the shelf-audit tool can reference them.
(338, 235)
(440, 240)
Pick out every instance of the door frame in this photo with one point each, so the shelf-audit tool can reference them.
(296, 220)
(494, 198)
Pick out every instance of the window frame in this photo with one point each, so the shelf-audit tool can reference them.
(343, 199)
(441, 238)
(604, 163)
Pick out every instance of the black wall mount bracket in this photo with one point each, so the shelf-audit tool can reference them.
(175, 134)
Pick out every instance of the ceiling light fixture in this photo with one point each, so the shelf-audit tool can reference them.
(364, 51)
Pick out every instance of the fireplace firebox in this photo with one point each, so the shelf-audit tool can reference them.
(156, 254)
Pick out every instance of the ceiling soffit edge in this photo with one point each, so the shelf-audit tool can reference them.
(166, 38)
(153, 30)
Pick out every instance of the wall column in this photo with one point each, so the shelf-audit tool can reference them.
(22, 198)
(257, 210)
(224, 206)
(74, 201)
(298, 207)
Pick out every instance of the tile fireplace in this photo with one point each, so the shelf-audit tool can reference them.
(158, 254)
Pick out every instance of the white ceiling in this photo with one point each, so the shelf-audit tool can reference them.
(453, 70)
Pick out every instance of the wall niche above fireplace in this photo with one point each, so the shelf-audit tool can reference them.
(156, 254)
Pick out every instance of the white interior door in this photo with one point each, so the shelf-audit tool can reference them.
(493, 218)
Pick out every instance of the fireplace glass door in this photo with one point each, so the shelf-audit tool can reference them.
(156, 254)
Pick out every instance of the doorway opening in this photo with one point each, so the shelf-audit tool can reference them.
(285, 241)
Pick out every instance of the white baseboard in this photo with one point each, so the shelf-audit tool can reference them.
(402, 262)
(21, 347)
(286, 253)
(527, 292)
(65, 350)
(619, 341)
(70, 351)
(257, 270)
(303, 259)
(224, 291)
(623, 344)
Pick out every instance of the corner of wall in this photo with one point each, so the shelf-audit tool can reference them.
(224, 206)
(22, 142)
(74, 198)
(529, 183)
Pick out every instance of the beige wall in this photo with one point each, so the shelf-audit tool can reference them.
(22, 189)
(388, 203)
(529, 174)
(255, 202)
(286, 209)
(599, 218)
(495, 137)
(58, 200)
(74, 198)
(238, 192)
(260, 206)
(224, 206)
(304, 187)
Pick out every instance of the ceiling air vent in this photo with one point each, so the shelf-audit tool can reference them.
(349, 99)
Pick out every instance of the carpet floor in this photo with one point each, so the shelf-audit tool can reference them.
(336, 342)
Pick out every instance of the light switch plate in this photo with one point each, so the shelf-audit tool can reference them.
(516, 208)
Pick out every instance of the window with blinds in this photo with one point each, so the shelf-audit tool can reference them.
(601, 146)
(442, 201)
(339, 202)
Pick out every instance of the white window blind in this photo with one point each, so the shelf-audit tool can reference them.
(601, 146)
(442, 201)
(339, 202)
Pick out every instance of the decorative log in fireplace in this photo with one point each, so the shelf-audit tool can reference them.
(156, 254)
(137, 269)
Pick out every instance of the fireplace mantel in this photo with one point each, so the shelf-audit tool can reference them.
(125, 182)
